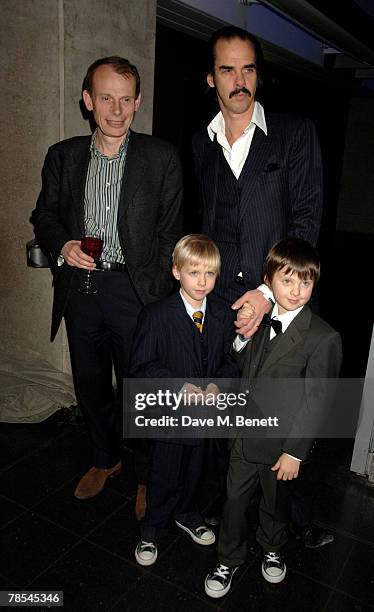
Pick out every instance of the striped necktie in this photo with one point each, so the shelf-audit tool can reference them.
(198, 320)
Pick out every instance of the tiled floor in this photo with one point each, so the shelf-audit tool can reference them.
(51, 541)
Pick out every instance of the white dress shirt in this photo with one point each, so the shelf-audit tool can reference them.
(190, 309)
(237, 154)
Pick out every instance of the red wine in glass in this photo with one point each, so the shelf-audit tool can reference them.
(92, 246)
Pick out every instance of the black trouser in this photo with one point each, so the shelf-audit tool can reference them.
(100, 329)
(217, 462)
(304, 491)
(173, 481)
(242, 481)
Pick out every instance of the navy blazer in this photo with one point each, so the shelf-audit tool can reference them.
(167, 343)
(281, 195)
(149, 213)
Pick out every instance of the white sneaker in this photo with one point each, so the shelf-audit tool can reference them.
(146, 553)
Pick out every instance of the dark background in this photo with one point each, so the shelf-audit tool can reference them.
(183, 104)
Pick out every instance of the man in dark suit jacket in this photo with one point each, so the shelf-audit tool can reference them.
(185, 336)
(259, 174)
(286, 366)
(125, 188)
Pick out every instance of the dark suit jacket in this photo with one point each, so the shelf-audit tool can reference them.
(167, 343)
(149, 214)
(281, 193)
(309, 352)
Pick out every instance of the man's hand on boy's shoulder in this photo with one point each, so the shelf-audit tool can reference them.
(287, 467)
(256, 305)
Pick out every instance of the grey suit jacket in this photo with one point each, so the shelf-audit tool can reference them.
(149, 214)
(308, 353)
(281, 193)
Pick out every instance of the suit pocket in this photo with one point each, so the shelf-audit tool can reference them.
(276, 175)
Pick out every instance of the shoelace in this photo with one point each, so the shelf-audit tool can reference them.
(201, 530)
(272, 556)
(222, 571)
(144, 545)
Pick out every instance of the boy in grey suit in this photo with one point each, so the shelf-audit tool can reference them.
(294, 344)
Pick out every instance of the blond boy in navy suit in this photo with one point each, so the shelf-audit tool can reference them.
(187, 335)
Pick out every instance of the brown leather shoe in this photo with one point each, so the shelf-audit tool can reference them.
(141, 502)
(93, 482)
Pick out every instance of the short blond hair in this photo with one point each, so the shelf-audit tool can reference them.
(195, 249)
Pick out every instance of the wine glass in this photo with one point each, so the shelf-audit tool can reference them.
(92, 246)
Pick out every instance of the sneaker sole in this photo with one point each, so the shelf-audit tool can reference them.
(218, 594)
(273, 579)
(145, 562)
(323, 543)
(194, 538)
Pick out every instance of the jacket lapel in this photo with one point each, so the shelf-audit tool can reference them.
(209, 177)
(187, 340)
(256, 162)
(77, 173)
(213, 330)
(135, 167)
(289, 339)
(257, 348)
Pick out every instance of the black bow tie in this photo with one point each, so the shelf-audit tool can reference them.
(267, 321)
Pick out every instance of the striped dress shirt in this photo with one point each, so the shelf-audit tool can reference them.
(101, 198)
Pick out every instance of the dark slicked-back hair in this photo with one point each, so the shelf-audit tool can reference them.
(229, 32)
(294, 255)
(119, 64)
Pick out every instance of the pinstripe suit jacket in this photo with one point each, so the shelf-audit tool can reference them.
(281, 194)
(149, 213)
(167, 343)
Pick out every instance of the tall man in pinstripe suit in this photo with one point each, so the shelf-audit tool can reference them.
(259, 174)
(126, 188)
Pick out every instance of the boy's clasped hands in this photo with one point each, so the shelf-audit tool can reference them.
(195, 395)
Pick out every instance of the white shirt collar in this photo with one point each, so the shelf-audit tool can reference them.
(285, 318)
(217, 125)
(190, 309)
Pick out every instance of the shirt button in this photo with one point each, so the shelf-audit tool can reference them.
(108, 184)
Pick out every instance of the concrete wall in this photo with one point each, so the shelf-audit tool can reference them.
(46, 46)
